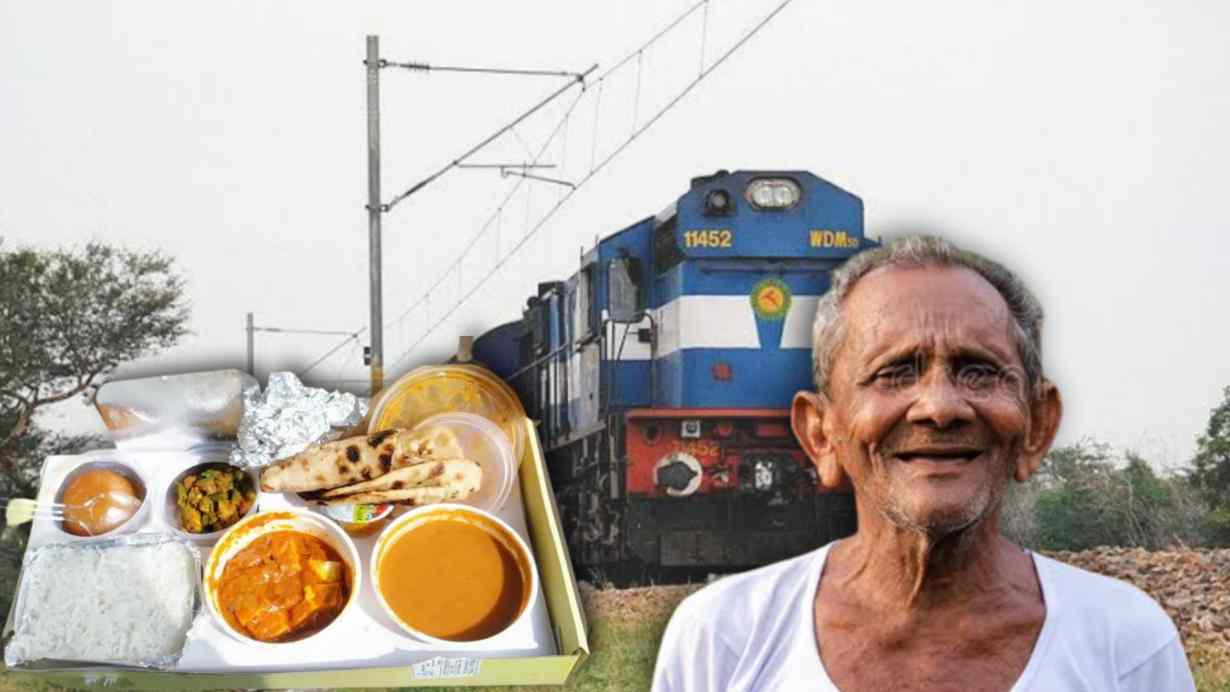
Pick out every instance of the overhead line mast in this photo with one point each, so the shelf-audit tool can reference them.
(376, 208)
(526, 171)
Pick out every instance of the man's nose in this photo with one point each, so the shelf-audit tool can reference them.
(940, 402)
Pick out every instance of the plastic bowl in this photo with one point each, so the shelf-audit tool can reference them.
(430, 390)
(133, 522)
(247, 530)
(484, 442)
(171, 509)
(454, 512)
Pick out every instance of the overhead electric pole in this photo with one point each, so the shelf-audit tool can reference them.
(374, 211)
(375, 208)
(251, 347)
(251, 329)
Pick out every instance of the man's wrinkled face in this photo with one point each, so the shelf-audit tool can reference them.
(927, 397)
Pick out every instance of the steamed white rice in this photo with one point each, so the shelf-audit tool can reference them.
(119, 603)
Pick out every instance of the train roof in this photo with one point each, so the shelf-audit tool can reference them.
(836, 198)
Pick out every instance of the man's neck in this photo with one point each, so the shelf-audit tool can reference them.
(886, 566)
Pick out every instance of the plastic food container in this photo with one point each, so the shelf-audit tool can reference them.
(171, 509)
(444, 571)
(481, 441)
(242, 534)
(359, 520)
(428, 391)
(134, 522)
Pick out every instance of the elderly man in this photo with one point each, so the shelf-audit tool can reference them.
(930, 398)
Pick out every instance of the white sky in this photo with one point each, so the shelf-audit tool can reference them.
(1083, 144)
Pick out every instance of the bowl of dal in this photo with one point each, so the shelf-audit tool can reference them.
(451, 573)
(282, 576)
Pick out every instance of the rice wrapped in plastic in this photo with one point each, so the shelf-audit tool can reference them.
(126, 601)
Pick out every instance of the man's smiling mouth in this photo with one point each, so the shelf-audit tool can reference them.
(939, 455)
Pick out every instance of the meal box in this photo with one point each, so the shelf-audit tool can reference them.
(457, 667)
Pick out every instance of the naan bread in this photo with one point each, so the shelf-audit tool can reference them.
(358, 459)
(460, 479)
(427, 473)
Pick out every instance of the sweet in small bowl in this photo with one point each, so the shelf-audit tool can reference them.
(100, 499)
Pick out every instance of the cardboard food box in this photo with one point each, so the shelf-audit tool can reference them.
(552, 664)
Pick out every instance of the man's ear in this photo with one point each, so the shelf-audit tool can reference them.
(807, 413)
(1045, 412)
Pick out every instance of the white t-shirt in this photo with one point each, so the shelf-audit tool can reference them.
(756, 631)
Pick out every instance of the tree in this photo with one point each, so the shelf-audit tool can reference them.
(1069, 517)
(68, 317)
(1157, 512)
(1077, 463)
(1090, 496)
(1211, 465)
(1210, 472)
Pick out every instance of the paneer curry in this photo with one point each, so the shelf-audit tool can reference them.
(284, 586)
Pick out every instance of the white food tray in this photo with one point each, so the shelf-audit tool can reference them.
(364, 638)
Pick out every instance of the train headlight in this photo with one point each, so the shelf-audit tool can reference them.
(689, 428)
(773, 193)
(718, 203)
(762, 474)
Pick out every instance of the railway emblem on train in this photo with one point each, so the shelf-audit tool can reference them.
(770, 299)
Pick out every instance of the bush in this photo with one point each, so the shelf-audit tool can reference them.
(1216, 527)
(1088, 497)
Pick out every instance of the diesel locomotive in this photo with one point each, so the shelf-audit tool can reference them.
(661, 373)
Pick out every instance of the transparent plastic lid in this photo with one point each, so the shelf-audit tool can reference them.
(484, 443)
(432, 390)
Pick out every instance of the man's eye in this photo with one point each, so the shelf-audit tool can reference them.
(980, 375)
(896, 374)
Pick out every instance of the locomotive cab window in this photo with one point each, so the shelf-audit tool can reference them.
(536, 319)
(583, 323)
(624, 289)
(666, 250)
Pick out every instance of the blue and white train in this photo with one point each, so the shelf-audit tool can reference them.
(661, 375)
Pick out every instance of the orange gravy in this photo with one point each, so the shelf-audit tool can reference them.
(452, 580)
(283, 586)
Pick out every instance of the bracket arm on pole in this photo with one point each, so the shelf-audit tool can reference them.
(456, 162)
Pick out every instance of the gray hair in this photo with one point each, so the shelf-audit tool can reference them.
(828, 330)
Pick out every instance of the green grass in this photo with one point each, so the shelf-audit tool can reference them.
(1210, 667)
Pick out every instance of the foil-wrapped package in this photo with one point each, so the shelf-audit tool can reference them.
(287, 417)
(129, 601)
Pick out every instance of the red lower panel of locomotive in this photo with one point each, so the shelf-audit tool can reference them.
(724, 488)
